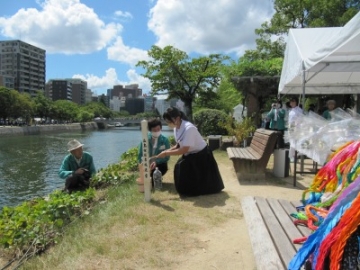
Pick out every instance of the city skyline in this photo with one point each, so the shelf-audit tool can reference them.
(101, 41)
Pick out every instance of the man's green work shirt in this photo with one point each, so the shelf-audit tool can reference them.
(69, 165)
(162, 144)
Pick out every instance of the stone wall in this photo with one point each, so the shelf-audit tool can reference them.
(43, 129)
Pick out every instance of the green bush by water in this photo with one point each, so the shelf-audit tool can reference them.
(34, 225)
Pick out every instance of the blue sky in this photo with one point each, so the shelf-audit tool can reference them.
(100, 41)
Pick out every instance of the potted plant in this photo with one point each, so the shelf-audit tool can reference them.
(241, 131)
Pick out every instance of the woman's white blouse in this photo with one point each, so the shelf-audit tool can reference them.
(188, 135)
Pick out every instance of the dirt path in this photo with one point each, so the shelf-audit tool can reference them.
(229, 247)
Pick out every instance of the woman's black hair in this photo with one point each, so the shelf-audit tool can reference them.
(154, 123)
(173, 112)
(280, 102)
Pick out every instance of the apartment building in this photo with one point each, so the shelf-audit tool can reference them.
(58, 89)
(79, 88)
(120, 93)
(127, 91)
(22, 66)
(68, 89)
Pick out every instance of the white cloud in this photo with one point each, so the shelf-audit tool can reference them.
(111, 78)
(60, 26)
(211, 26)
(122, 53)
(123, 14)
(143, 83)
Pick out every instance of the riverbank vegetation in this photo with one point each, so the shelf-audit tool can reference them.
(33, 226)
(116, 229)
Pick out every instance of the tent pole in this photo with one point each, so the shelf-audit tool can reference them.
(303, 107)
(303, 85)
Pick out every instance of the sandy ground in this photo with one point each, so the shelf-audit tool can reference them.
(229, 247)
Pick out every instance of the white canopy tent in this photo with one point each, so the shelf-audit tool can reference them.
(322, 60)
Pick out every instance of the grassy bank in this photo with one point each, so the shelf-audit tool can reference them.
(124, 232)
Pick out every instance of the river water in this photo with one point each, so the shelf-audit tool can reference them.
(29, 164)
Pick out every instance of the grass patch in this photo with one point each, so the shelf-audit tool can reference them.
(124, 232)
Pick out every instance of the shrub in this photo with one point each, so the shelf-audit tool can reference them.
(118, 173)
(240, 130)
(210, 122)
(32, 226)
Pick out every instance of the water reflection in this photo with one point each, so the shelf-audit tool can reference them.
(29, 164)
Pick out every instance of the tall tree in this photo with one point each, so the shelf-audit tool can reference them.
(7, 100)
(300, 14)
(14, 104)
(24, 106)
(42, 105)
(173, 72)
(228, 95)
(98, 109)
(64, 110)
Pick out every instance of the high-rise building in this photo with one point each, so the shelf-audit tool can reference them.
(7, 81)
(134, 105)
(58, 89)
(79, 88)
(122, 93)
(68, 89)
(128, 91)
(23, 66)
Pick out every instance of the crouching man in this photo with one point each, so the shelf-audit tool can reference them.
(77, 168)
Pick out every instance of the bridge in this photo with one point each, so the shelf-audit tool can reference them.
(127, 122)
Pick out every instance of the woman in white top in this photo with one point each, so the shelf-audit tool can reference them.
(196, 172)
(294, 117)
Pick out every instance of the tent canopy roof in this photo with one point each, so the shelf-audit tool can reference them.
(330, 57)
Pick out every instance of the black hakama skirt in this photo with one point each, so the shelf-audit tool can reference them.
(197, 174)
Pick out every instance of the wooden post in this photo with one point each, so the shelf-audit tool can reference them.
(145, 161)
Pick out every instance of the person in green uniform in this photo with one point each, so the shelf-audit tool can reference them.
(77, 167)
(157, 143)
(277, 121)
(330, 104)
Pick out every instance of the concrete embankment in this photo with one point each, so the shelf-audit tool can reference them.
(43, 129)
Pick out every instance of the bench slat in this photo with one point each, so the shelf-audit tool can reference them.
(259, 148)
(304, 230)
(285, 220)
(248, 153)
(244, 153)
(285, 248)
(265, 253)
(230, 152)
(241, 152)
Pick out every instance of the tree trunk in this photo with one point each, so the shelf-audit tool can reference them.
(252, 102)
(189, 110)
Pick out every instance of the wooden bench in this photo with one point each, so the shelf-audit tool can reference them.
(271, 230)
(250, 162)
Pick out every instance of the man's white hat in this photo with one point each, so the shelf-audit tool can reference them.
(74, 144)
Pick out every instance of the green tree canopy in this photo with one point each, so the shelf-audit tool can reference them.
(300, 14)
(64, 110)
(7, 100)
(14, 104)
(42, 105)
(173, 72)
(98, 109)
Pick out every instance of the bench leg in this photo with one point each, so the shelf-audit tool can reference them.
(248, 170)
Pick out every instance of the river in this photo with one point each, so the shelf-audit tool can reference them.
(29, 164)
